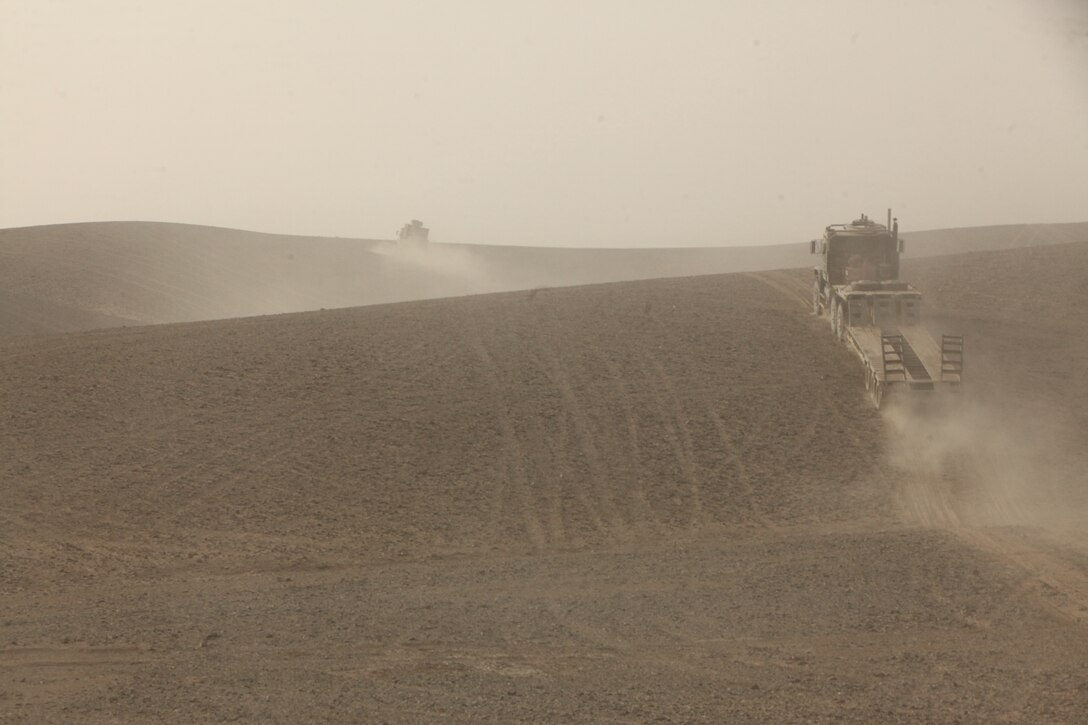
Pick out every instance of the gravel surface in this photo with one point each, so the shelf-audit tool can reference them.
(658, 501)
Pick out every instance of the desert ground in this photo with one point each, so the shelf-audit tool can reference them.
(652, 501)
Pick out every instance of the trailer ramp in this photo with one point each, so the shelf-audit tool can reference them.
(951, 358)
(901, 361)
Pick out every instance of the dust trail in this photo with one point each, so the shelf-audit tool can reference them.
(967, 461)
(1005, 482)
(453, 263)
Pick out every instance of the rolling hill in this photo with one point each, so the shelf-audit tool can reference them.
(84, 276)
(655, 500)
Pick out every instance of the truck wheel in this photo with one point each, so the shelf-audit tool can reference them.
(840, 326)
(816, 298)
(874, 387)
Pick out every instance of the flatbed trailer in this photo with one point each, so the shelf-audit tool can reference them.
(906, 358)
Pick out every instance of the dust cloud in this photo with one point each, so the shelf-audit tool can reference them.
(968, 460)
(452, 263)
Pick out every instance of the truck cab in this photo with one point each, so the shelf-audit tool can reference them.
(859, 251)
(863, 255)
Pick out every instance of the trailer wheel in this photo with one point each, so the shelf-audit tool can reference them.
(816, 298)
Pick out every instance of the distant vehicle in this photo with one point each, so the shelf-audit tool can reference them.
(857, 287)
(414, 231)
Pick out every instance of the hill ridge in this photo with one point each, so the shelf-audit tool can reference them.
(78, 276)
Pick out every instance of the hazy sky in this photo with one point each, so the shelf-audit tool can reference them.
(583, 122)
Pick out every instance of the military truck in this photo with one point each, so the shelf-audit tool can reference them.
(879, 316)
(413, 231)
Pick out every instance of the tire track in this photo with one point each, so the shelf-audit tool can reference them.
(608, 513)
(734, 451)
(678, 434)
(549, 482)
(740, 469)
(516, 478)
(630, 423)
(1061, 587)
(779, 284)
(554, 477)
(927, 500)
